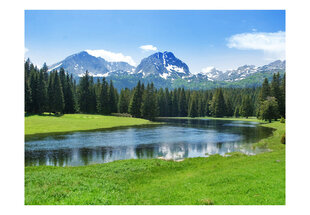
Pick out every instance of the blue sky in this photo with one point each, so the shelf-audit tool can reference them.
(202, 39)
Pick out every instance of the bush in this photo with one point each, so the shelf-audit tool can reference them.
(283, 139)
(206, 202)
(282, 120)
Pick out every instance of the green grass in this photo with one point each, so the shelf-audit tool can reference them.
(36, 125)
(234, 180)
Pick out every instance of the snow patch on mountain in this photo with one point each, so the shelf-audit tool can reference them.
(164, 75)
(55, 67)
(172, 68)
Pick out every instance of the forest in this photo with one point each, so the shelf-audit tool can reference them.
(58, 92)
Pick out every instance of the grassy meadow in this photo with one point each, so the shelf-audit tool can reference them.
(237, 179)
(49, 124)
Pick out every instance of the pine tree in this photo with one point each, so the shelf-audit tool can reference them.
(50, 93)
(161, 102)
(175, 103)
(201, 106)
(34, 108)
(92, 106)
(69, 95)
(27, 69)
(182, 104)
(282, 98)
(168, 98)
(136, 101)
(229, 108)
(149, 107)
(124, 101)
(112, 98)
(269, 109)
(41, 93)
(246, 109)
(237, 112)
(218, 106)
(265, 91)
(193, 106)
(58, 95)
(84, 93)
(28, 99)
(45, 72)
(103, 106)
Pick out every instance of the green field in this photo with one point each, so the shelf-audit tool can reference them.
(236, 179)
(45, 124)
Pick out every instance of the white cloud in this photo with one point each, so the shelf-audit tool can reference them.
(148, 48)
(111, 56)
(26, 50)
(207, 69)
(273, 44)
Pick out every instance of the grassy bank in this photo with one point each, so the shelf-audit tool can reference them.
(45, 124)
(250, 119)
(238, 179)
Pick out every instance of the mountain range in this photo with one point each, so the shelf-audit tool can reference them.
(165, 70)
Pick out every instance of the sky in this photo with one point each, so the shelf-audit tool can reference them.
(224, 39)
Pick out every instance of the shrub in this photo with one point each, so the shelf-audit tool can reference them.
(206, 202)
(282, 120)
(283, 139)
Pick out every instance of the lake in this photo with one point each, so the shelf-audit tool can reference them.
(177, 139)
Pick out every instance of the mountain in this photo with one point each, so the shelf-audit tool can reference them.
(243, 72)
(166, 70)
(164, 65)
(78, 63)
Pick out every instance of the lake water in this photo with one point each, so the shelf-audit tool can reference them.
(177, 139)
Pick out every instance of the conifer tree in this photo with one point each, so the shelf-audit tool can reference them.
(246, 108)
(28, 100)
(237, 112)
(265, 90)
(69, 95)
(92, 97)
(59, 103)
(112, 98)
(136, 101)
(229, 108)
(45, 72)
(41, 93)
(168, 98)
(161, 102)
(218, 107)
(34, 91)
(149, 107)
(282, 98)
(84, 93)
(175, 103)
(269, 109)
(275, 86)
(50, 93)
(103, 104)
(124, 100)
(193, 106)
(182, 104)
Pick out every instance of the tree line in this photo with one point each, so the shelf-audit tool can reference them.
(58, 92)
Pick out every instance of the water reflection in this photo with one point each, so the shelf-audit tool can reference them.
(177, 140)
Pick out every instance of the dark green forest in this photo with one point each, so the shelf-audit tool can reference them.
(57, 92)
